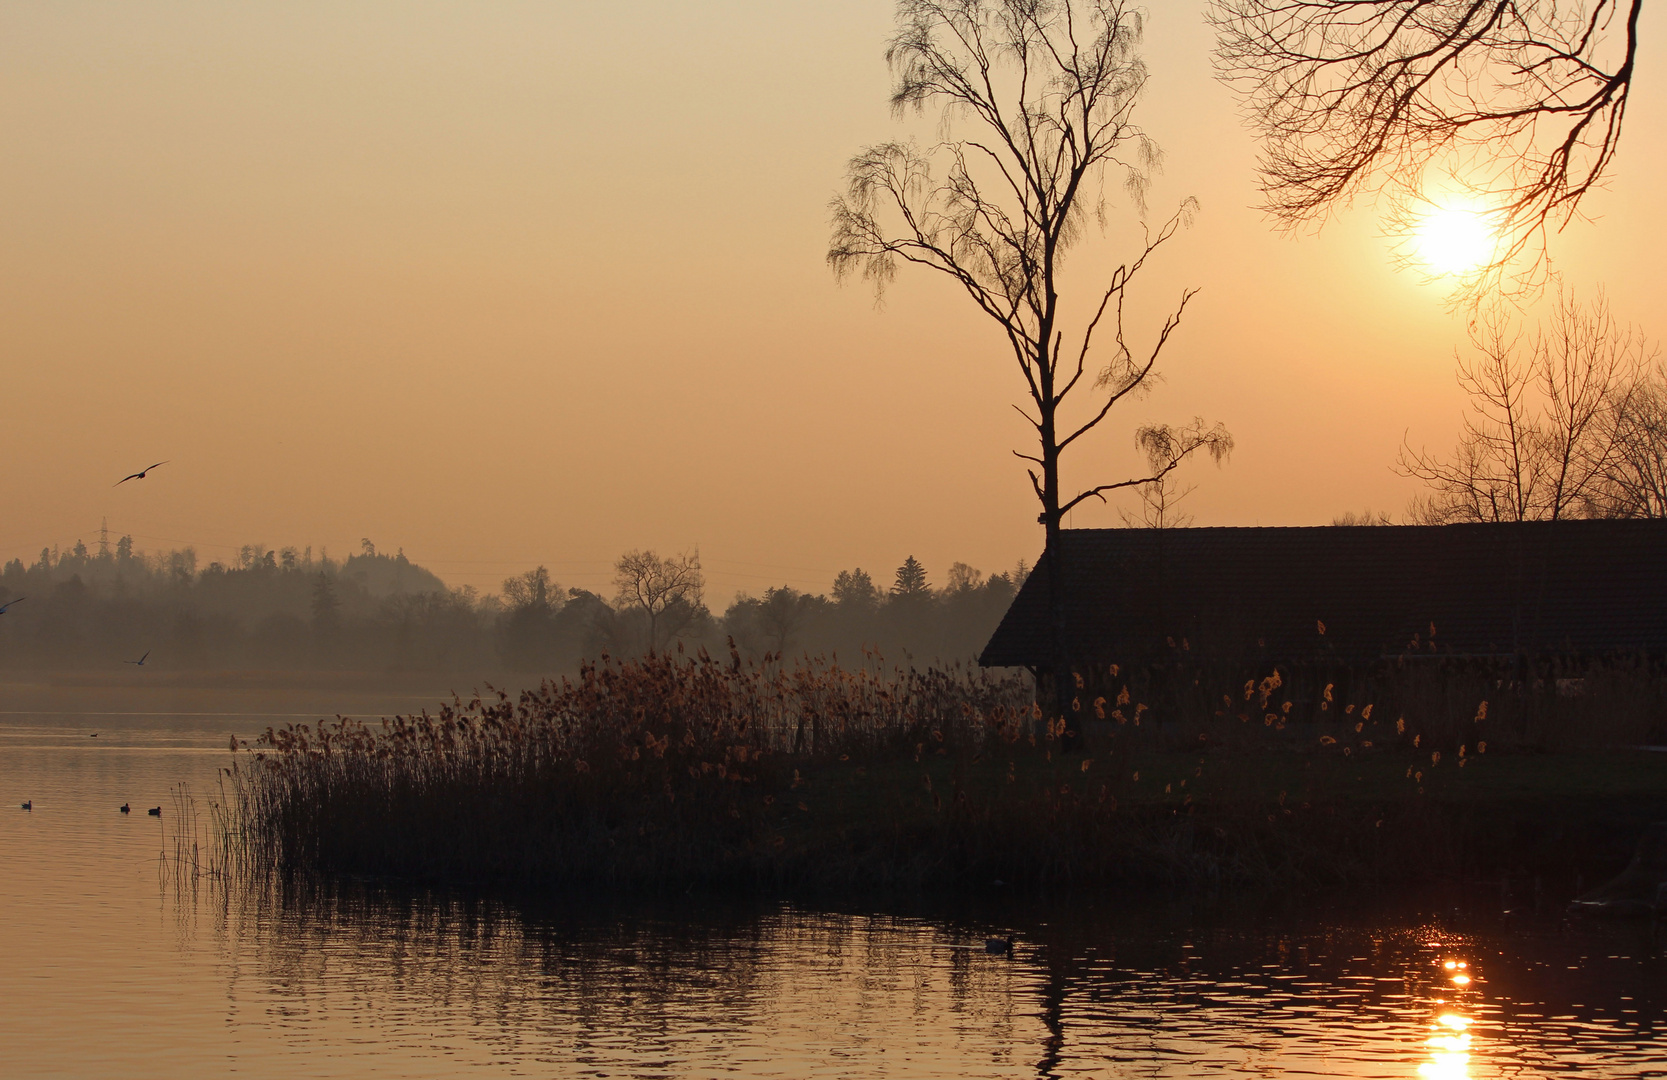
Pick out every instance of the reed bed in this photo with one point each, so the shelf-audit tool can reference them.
(672, 767)
(671, 772)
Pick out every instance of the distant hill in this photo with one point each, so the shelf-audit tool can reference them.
(390, 575)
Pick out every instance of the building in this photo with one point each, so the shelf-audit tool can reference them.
(1523, 593)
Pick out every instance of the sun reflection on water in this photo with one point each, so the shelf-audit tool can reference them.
(1449, 1046)
(1449, 1041)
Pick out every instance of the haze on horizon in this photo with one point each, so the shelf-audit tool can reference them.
(511, 284)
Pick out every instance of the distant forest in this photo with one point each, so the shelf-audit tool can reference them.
(285, 609)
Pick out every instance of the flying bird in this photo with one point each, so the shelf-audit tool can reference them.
(140, 475)
(9, 603)
(141, 661)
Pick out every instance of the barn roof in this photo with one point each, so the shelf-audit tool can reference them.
(1486, 589)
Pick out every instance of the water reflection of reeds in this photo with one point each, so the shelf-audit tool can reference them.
(695, 987)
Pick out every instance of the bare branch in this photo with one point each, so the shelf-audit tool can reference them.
(1512, 106)
(1165, 449)
(1559, 425)
(1036, 99)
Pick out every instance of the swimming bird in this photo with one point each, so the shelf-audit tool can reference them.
(30, 805)
(9, 603)
(140, 475)
(155, 811)
(126, 809)
(141, 661)
(998, 946)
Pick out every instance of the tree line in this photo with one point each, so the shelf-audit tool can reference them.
(289, 609)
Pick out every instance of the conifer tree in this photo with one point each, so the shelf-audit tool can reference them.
(911, 579)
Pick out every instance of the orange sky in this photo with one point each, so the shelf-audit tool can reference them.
(517, 283)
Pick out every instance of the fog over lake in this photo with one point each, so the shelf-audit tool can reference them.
(860, 539)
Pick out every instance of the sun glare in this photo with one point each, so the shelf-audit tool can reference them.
(1454, 241)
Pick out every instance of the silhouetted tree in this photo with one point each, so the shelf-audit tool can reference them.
(771, 623)
(1044, 92)
(1158, 502)
(533, 589)
(667, 592)
(1516, 104)
(1539, 442)
(1635, 483)
(1367, 517)
(854, 589)
(90, 613)
(782, 614)
(962, 577)
(910, 579)
(527, 631)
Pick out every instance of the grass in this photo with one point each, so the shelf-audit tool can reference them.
(666, 773)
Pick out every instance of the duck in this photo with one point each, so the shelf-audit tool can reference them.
(998, 946)
(155, 811)
(126, 809)
(30, 805)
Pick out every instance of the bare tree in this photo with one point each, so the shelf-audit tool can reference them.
(1349, 518)
(1159, 502)
(669, 591)
(1518, 102)
(533, 589)
(1541, 441)
(962, 578)
(1036, 99)
(1635, 484)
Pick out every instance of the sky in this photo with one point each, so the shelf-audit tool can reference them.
(508, 284)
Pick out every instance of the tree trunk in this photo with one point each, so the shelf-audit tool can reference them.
(1059, 637)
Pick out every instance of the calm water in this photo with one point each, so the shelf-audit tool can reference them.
(107, 970)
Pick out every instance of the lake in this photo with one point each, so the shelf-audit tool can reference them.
(112, 967)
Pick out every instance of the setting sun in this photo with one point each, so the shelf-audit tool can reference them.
(483, 468)
(1454, 240)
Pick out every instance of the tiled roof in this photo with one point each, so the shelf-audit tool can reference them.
(1488, 589)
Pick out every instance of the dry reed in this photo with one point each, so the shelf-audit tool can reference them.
(668, 772)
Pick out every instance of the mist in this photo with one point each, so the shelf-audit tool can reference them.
(379, 615)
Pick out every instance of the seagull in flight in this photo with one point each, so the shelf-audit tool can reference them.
(141, 661)
(9, 603)
(140, 475)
